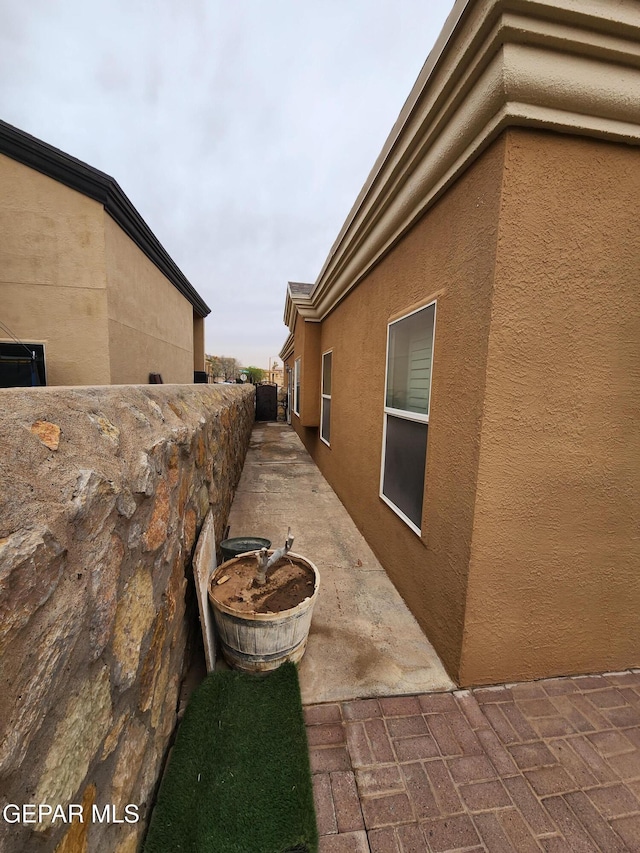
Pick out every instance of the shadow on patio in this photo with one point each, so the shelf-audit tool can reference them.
(364, 642)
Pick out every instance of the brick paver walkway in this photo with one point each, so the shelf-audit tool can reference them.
(552, 765)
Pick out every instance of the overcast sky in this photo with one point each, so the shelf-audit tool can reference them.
(241, 130)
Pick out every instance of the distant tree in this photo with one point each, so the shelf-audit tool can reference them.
(254, 374)
(222, 366)
(230, 368)
(212, 366)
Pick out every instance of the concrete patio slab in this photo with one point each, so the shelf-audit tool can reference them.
(364, 642)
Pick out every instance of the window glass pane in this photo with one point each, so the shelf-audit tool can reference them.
(409, 364)
(404, 463)
(326, 373)
(326, 419)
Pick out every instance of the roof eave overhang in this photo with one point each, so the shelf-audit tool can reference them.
(299, 304)
(561, 66)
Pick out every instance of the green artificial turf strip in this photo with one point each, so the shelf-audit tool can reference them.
(238, 779)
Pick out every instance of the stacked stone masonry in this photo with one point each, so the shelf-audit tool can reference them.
(282, 404)
(103, 493)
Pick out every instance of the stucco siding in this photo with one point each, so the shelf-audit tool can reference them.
(448, 255)
(150, 323)
(52, 279)
(307, 349)
(555, 571)
(198, 342)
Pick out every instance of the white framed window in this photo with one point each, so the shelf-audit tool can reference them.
(296, 387)
(406, 413)
(325, 407)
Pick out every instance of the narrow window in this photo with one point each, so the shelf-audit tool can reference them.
(296, 387)
(325, 416)
(406, 413)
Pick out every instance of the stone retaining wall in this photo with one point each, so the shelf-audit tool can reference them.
(102, 493)
(282, 405)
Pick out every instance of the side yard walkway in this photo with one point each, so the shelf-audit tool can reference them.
(547, 766)
(363, 639)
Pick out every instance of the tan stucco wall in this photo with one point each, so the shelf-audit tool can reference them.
(198, 342)
(310, 375)
(554, 582)
(71, 278)
(307, 349)
(529, 560)
(150, 322)
(450, 254)
(52, 273)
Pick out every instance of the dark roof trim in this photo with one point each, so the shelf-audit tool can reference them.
(97, 185)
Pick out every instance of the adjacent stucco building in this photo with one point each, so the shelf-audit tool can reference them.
(466, 368)
(82, 275)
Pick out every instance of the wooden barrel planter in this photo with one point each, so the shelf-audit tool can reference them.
(260, 628)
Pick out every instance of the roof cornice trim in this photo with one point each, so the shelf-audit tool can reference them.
(93, 183)
(557, 65)
(287, 349)
(298, 303)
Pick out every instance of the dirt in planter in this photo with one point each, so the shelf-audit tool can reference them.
(288, 583)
